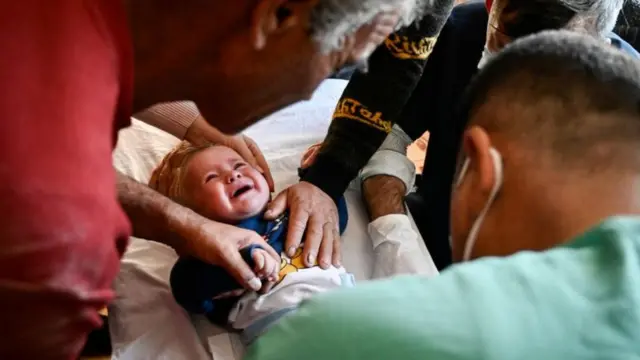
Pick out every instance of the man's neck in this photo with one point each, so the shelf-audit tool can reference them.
(569, 208)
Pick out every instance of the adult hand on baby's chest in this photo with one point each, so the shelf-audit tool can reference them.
(314, 216)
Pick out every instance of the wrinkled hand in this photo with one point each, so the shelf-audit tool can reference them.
(200, 133)
(219, 244)
(314, 215)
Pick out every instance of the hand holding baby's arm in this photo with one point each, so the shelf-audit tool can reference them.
(197, 285)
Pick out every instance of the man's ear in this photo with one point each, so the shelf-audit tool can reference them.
(274, 16)
(477, 145)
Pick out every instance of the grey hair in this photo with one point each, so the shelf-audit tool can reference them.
(597, 15)
(333, 20)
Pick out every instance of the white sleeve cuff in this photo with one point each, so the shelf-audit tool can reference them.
(394, 228)
(391, 159)
(391, 163)
(397, 140)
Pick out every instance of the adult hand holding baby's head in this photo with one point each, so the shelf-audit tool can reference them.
(219, 244)
(201, 133)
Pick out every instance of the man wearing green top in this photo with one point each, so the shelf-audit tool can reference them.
(550, 165)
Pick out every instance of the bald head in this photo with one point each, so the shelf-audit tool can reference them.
(566, 97)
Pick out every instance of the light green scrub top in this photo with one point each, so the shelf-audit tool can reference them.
(578, 301)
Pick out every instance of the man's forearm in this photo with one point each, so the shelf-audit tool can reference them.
(175, 118)
(388, 176)
(383, 195)
(153, 216)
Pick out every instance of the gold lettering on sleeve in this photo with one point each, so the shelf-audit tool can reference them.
(405, 49)
(352, 109)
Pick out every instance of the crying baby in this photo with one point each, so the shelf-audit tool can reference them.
(217, 183)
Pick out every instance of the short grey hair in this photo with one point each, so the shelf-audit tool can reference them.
(596, 15)
(333, 20)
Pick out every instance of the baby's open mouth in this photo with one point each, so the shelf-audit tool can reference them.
(241, 191)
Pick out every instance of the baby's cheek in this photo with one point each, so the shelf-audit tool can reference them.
(214, 203)
(259, 179)
(265, 198)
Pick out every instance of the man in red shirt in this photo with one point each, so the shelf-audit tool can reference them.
(67, 85)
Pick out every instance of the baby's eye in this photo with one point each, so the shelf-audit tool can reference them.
(239, 165)
(210, 177)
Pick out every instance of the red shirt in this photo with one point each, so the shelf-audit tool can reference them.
(65, 89)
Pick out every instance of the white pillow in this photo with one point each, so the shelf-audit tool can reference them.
(140, 148)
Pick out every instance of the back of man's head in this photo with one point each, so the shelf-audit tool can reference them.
(524, 17)
(563, 96)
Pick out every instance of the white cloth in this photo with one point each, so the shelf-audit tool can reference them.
(297, 285)
(395, 243)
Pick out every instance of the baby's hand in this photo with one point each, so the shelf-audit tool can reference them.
(267, 267)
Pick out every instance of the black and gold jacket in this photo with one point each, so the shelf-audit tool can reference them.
(372, 102)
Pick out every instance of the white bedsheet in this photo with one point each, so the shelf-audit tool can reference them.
(145, 321)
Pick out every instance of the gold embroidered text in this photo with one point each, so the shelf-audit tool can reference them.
(405, 49)
(354, 110)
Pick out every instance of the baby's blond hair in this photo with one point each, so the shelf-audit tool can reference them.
(167, 178)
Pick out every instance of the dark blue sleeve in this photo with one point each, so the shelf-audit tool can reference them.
(343, 214)
(195, 283)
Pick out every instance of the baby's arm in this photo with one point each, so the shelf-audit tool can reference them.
(197, 286)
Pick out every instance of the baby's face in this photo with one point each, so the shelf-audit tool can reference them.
(220, 185)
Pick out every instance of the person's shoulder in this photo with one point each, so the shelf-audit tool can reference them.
(621, 224)
(461, 40)
(623, 45)
(472, 13)
(617, 226)
(617, 236)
